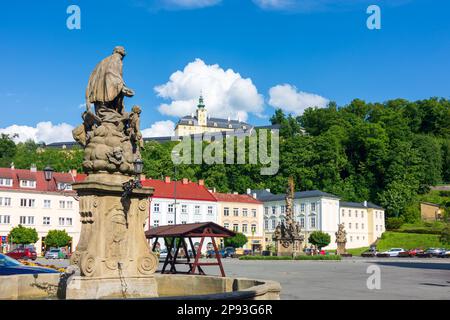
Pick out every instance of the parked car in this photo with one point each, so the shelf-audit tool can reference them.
(56, 253)
(25, 253)
(10, 266)
(229, 252)
(410, 253)
(369, 253)
(444, 254)
(393, 252)
(433, 252)
(163, 254)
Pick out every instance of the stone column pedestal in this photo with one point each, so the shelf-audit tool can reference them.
(112, 253)
(288, 247)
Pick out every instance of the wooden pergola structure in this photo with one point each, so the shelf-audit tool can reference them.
(183, 234)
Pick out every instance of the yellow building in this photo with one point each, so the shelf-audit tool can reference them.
(201, 122)
(431, 211)
(242, 213)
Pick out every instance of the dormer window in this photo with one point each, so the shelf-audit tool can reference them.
(190, 122)
(4, 182)
(215, 124)
(28, 184)
(230, 126)
(244, 127)
(64, 186)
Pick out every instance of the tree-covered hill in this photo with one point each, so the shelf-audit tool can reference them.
(387, 153)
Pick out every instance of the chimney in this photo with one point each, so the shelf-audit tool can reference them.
(167, 180)
(142, 177)
(12, 166)
(229, 118)
(268, 190)
(365, 203)
(201, 182)
(74, 173)
(214, 189)
(255, 196)
(33, 168)
(249, 191)
(185, 180)
(235, 192)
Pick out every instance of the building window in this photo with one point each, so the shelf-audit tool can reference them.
(69, 221)
(302, 221)
(46, 221)
(254, 213)
(30, 220)
(356, 225)
(155, 223)
(183, 222)
(47, 204)
(349, 213)
(362, 214)
(226, 212)
(210, 210)
(313, 207)
(376, 214)
(313, 222)
(5, 202)
(266, 224)
(351, 238)
(170, 222)
(5, 182)
(64, 186)
(356, 213)
(62, 221)
(274, 223)
(343, 212)
(226, 225)
(184, 208)
(197, 209)
(23, 220)
(235, 227)
(170, 208)
(27, 203)
(253, 228)
(244, 212)
(362, 225)
(302, 207)
(283, 209)
(5, 219)
(156, 207)
(349, 225)
(274, 210)
(69, 204)
(244, 228)
(62, 204)
(236, 212)
(357, 237)
(27, 184)
(266, 211)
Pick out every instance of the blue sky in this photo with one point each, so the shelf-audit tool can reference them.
(279, 52)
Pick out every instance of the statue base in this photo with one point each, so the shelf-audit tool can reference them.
(81, 288)
(288, 247)
(341, 249)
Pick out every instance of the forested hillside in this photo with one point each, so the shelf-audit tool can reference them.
(387, 153)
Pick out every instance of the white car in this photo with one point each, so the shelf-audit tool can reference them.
(393, 252)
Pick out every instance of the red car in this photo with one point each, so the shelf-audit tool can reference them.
(23, 253)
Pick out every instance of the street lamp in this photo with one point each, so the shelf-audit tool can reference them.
(48, 173)
(128, 187)
(138, 166)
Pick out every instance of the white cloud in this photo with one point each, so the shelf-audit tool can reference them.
(225, 92)
(289, 99)
(43, 132)
(176, 4)
(274, 4)
(160, 129)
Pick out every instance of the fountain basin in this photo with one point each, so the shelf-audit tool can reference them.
(178, 287)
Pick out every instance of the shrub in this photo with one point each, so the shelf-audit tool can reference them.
(265, 258)
(319, 239)
(394, 223)
(319, 257)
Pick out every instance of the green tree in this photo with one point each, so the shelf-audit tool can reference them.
(445, 235)
(319, 239)
(23, 235)
(57, 238)
(238, 241)
(8, 150)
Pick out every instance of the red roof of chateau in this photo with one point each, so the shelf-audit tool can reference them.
(230, 197)
(186, 190)
(41, 184)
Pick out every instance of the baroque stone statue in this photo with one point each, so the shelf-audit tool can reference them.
(341, 239)
(113, 255)
(110, 135)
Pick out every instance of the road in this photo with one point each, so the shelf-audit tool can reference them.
(400, 278)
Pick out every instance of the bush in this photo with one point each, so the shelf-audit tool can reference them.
(319, 239)
(394, 223)
(265, 258)
(238, 241)
(445, 235)
(319, 257)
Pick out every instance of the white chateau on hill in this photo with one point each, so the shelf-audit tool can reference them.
(201, 122)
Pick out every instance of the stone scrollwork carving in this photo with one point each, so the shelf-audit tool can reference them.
(147, 264)
(88, 265)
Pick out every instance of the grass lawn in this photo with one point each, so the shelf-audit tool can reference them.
(302, 257)
(408, 241)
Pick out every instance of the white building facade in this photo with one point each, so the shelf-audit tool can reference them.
(27, 199)
(320, 211)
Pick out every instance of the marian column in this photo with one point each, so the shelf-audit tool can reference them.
(113, 255)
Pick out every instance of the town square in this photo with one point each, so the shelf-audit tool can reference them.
(161, 151)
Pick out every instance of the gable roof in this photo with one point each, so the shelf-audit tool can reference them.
(41, 184)
(359, 205)
(229, 197)
(186, 191)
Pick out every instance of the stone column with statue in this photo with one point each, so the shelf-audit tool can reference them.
(113, 256)
(287, 236)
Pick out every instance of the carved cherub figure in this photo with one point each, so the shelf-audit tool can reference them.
(134, 130)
